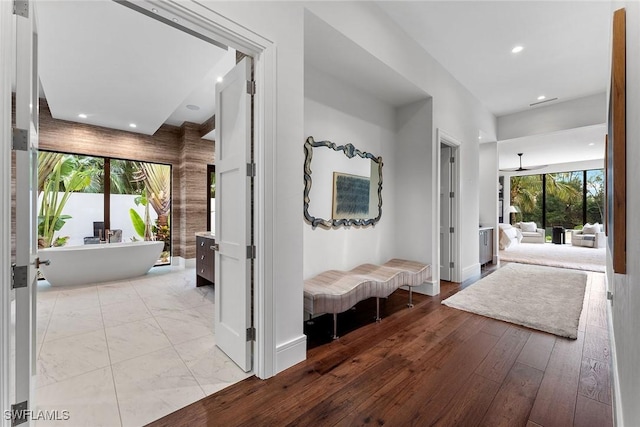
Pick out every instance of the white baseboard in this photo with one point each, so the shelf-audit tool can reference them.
(615, 380)
(471, 271)
(179, 261)
(290, 353)
(430, 287)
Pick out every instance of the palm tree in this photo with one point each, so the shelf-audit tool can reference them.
(157, 182)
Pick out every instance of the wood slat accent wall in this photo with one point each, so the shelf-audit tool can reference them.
(181, 147)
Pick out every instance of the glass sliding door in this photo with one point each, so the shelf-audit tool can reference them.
(564, 201)
(88, 200)
(140, 202)
(595, 196)
(527, 196)
(70, 198)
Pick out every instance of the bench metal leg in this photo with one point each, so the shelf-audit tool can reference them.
(335, 326)
(410, 305)
(377, 309)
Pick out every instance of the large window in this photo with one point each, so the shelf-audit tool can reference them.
(527, 197)
(568, 199)
(81, 197)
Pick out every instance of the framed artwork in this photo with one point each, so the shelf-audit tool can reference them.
(350, 196)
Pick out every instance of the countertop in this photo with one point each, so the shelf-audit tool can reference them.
(206, 234)
(485, 228)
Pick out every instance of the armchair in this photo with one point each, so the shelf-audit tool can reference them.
(591, 236)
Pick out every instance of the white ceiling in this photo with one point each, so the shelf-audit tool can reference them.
(565, 46)
(333, 53)
(559, 147)
(118, 67)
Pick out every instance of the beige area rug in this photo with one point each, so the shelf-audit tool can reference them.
(544, 298)
(563, 256)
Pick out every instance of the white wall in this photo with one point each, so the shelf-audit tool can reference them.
(589, 110)
(414, 192)
(455, 111)
(488, 194)
(342, 114)
(625, 307)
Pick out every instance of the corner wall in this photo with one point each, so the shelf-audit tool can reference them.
(339, 113)
(488, 191)
(625, 307)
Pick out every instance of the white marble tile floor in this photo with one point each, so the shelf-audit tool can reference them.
(126, 353)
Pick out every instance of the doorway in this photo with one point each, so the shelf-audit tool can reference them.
(264, 366)
(448, 200)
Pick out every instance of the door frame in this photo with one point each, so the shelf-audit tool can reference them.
(6, 62)
(198, 19)
(443, 137)
(201, 21)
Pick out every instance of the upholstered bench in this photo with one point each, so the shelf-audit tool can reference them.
(337, 291)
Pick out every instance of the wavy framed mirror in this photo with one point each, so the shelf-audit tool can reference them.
(342, 185)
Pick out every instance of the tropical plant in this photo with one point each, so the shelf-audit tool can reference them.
(66, 175)
(142, 227)
(157, 183)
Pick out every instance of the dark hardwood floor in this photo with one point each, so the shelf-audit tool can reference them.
(428, 365)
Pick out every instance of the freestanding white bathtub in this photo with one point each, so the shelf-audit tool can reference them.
(81, 265)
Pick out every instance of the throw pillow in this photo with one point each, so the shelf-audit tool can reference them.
(591, 229)
(528, 227)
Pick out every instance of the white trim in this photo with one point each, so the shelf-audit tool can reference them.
(6, 61)
(443, 137)
(430, 287)
(178, 261)
(205, 21)
(291, 352)
(471, 271)
(615, 378)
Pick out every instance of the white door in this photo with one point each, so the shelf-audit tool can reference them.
(233, 219)
(25, 144)
(445, 213)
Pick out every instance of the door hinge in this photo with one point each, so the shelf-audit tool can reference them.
(610, 296)
(452, 159)
(451, 264)
(21, 8)
(251, 87)
(452, 194)
(19, 276)
(19, 139)
(452, 230)
(251, 334)
(19, 413)
(251, 252)
(251, 169)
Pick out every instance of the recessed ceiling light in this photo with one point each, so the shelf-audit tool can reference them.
(541, 97)
(82, 116)
(133, 125)
(219, 79)
(154, 10)
(592, 143)
(517, 49)
(175, 19)
(193, 107)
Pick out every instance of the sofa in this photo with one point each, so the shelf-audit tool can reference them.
(591, 236)
(530, 232)
(508, 236)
